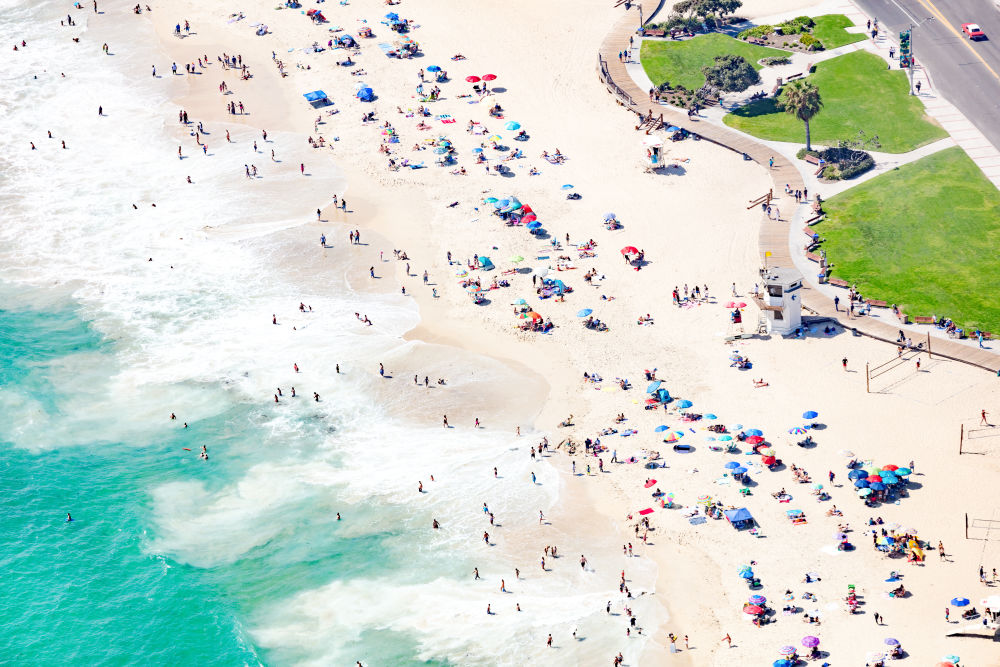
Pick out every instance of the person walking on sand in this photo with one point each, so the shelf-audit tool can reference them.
(982, 418)
(843, 362)
(445, 421)
(381, 370)
(302, 168)
(728, 640)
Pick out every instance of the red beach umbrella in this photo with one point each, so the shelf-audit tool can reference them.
(473, 79)
(755, 439)
(489, 77)
(630, 250)
(752, 609)
(650, 483)
(874, 478)
(768, 460)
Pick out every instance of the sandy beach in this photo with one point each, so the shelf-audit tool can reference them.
(507, 390)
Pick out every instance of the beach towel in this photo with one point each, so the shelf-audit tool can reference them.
(697, 520)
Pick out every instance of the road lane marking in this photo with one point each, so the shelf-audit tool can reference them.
(929, 6)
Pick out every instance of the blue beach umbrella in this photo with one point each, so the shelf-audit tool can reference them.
(725, 438)
(736, 427)
(512, 125)
(433, 68)
(877, 486)
(661, 428)
(732, 465)
(608, 217)
(903, 472)
(684, 404)
(755, 431)
(739, 471)
(673, 128)
(534, 224)
(811, 414)
(584, 312)
(710, 416)
(568, 186)
(653, 387)
(782, 663)
(960, 602)
(861, 483)
(490, 200)
(857, 474)
(392, 16)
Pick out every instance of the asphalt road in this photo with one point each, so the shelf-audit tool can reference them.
(967, 73)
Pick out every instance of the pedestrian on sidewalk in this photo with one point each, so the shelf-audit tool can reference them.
(918, 87)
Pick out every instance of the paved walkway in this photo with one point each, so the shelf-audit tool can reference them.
(776, 237)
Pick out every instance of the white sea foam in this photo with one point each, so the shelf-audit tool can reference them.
(192, 333)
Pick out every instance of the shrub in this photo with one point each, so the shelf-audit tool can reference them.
(810, 42)
(803, 21)
(846, 163)
(710, 22)
(791, 28)
(760, 31)
(801, 155)
(731, 73)
(775, 60)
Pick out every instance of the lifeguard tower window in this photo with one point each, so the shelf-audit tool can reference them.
(774, 290)
(778, 315)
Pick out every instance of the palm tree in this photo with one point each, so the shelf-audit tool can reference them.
(801, 98)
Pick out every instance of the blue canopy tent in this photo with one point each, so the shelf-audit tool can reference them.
(317, 98)
(363, 92)
(740, 518)
(485, 263)
(662, 395)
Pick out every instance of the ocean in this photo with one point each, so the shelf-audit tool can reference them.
(115, 313)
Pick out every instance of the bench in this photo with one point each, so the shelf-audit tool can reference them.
(654, 33)
(809, 231)
(838, 282)
(793, 76)
(880, 304)
(987, 335)
(811, 159)
(774, 91)
(923, 319)
(813, 257)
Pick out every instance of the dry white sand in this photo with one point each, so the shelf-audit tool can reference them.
(694, 226)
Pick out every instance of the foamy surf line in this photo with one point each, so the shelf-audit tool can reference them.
(186, 290)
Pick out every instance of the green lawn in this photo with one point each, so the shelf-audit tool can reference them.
(829, 29)
(858, 93)
(680, 62)
(923, 236)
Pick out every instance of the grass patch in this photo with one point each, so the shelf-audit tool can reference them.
(858, 93)
(829, 29)
(923, 236)
(680, 62)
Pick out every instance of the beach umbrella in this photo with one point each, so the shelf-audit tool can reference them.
(757, 599)
(818, 487)
(584, 312)
(798, 430)
(877, 486)
(810, 641)
(739, 471)
(752, 608)
(891, 641)
(768, 460)
(534, 224)
(861, 483)
(755, 439)
(960, 602)
(746, 572)
(736, 427)
(890, 467)
(730, 304)
(653, 387)
(782, 663)
(472, 79)
(529, 217)
(520, 302)
(864, 493)
(709, 416)
(660, 429)
(874, 656)
(630, 250)
(542, 272)
(489, 77)
(673, 128)
(567, 186)
(903, 472)
(512, 125)
(874, 478)
(440, 150)
(755, 431)
(811, 414)
(461, 273)
(671, 437)
(705, 498)
(433, 68)
(786, 650)
(683, 405)
(392, 16)
(608, 217)
(725, 438)
(856, 474)
(516, 259)
(488, 200)
(709, 438)
(473, 289)
(732, 465)
(650, 483)
(495, 137)
(952, 659)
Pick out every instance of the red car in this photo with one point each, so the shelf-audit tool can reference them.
(973, 30)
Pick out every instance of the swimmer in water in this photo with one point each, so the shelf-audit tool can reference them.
(68, 517)
(204, 453)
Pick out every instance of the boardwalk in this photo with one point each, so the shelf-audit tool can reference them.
(774, 235)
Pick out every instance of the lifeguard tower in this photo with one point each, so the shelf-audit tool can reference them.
(780, 301)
